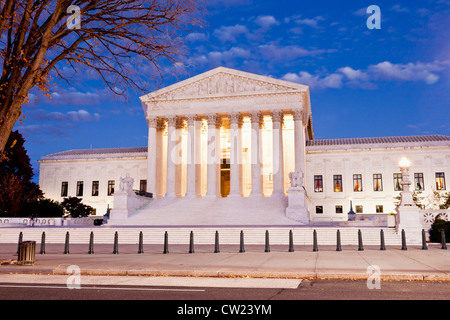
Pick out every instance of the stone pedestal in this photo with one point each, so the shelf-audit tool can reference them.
(408, 219)
(296, 209)
(120, 211)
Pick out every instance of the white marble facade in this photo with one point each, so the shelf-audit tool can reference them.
(227, 133)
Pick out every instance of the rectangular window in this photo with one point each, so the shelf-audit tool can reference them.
(64, 188)
(318, 184)
(359, 209)
(377, 182)
(337, 183)
(440, 181)
(94, 188)
(143, 186)
(339, 209)
(111, 184)
(80, 188)
(379, 209)
(357, 182)
(319, 209)
(418, 182)
(397, 182)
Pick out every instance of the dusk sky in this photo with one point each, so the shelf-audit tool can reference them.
(392, 81)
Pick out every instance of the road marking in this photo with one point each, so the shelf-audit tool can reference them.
(100, 288)
(155, 281)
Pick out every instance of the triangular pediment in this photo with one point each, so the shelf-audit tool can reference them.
(221, 82)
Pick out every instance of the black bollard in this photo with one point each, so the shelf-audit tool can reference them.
(216, 243)
(166, 243)
(66, 244)
(360, 242)
(315, 246)
(91, 243)
(191, 242)
(116, 243)
(241, 247)
(404, 240)
(382, 245)
(338, 241)
(141, 243)
(267, 248)
(19, 241)
(424, 241)
(291, 241)
(443, 240)
(43, 243)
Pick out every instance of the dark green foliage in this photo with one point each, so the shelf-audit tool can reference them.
(436, 228)
(75, 208)
(42, 208)
(16, 187)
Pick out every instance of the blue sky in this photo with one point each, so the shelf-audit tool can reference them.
(382, 82)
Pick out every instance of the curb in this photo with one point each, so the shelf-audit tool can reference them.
(230, 274)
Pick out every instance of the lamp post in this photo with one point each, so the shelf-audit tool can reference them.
(406, 196)
(408, 214)
(351, 213)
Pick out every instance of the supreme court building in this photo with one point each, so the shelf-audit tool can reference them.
(232, 148)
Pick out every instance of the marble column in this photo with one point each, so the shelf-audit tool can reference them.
(191, 145)
(213, 155)
(299, 140)
(160, 164)
(198, 157)
(171, 143)
(255, 117)
(178, 157)
(235, 154)
(151, 155)
(277, 148)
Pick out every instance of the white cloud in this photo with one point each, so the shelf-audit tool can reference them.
(353, 74)
(313, 23)
(426, 72)
(398, 8)
(196, 36)
(266, 22)
(230, 33)
(333, 80)
(82, 116)
(361, 12)
(273, 51)
(367, 79)
(71, 116)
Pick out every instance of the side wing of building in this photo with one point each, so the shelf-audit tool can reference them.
(366, 171)
(92, 174)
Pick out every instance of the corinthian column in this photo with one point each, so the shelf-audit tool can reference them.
(255, 117)
(151, 155)
(213, 156)
(299, 140)
(235, 154)
(277, 136)
(191, 145)
(171, 143)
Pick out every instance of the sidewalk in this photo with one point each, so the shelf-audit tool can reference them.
(349, 264)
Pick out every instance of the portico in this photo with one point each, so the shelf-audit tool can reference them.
(221, 134)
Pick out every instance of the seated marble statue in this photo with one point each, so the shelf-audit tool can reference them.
(296, 178)
(126, 184)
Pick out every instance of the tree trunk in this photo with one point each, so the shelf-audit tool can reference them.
(11, 115)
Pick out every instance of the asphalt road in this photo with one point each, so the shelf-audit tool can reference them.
(307, 290)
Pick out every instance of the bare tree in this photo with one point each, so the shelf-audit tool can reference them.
(41, 38)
